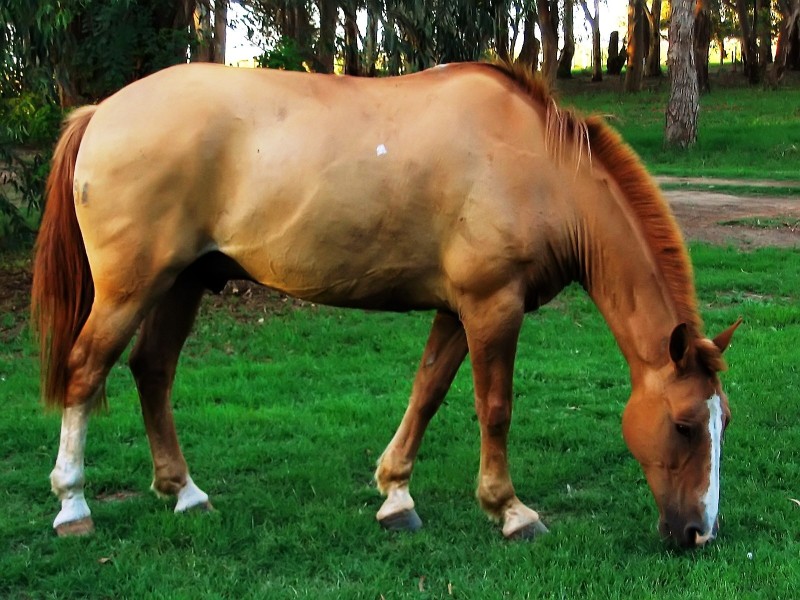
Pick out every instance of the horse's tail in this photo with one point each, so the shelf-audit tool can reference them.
(63, 290)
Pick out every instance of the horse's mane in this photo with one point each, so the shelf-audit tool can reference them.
(598, 142)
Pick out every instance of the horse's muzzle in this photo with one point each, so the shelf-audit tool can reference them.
(688, 536)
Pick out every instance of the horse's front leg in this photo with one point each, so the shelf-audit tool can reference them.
(444, 353)
(492, 328)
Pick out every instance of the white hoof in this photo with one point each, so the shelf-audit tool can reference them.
(521, 522)
(73, 508)
(397, 512)
(191, 496)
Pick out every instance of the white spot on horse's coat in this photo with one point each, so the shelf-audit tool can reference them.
(380, 150)
(710, 499)
(190, 495)
(66, 478)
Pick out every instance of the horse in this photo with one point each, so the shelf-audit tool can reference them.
(464, 190)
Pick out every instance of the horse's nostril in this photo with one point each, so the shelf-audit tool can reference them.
(691, 533)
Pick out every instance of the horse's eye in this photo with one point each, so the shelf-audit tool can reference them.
(683, 430)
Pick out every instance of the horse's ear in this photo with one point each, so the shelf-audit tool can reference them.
(724, 338)
(679, 344)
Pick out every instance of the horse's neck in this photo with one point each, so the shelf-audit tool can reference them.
(623, 278)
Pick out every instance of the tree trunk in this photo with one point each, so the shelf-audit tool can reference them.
(352, 60)
(616, 56)
(764, 28)
(326, 43)
(681, 127)
(220, 30)
(547, 25)
(787, 53)
(633, 74)
(371, 40)
(529, 53)
(653, 65)
(749, 42)
(201, 49)
(594, 22)
(702, 40)
(501, 31)
(568, 51)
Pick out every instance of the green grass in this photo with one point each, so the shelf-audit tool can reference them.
(765, 222)
(742, 132)
(282, 422)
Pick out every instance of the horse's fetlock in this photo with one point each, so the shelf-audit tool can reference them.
(64, 482)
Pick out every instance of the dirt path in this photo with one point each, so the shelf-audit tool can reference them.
(701, 216)
(712, 181)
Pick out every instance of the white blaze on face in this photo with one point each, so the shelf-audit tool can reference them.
(711, 498)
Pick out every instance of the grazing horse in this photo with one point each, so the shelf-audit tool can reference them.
(463, 189)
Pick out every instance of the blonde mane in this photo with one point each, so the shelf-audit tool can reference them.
(567, 131)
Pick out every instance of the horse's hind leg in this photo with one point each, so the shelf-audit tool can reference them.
(444, 353)
(153, 362)
(105, 334)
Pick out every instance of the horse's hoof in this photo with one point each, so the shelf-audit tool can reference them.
(77, 528)
(528, 532)
(202, 507)
(407, 520)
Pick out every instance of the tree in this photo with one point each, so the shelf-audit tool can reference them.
(529, 53)
(748, 26)
(652, 66)
(633, 72)
(594, 22)
(682, 108)
(210, 33)
(87, 50)
(548, 19)
(568, 50)
(787, 54)
(702, 41)
(352, 58)
(616, 55)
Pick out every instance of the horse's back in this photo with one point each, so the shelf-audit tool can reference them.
(344, 190)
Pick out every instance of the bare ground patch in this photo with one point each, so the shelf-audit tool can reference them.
(711, 217)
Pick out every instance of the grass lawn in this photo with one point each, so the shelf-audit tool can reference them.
(742, 132)
(282, 417)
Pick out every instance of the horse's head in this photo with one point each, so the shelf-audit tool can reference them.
(673, 425)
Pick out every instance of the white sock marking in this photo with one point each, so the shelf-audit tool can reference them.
(66, 478)
(711, 498)
(190, 495)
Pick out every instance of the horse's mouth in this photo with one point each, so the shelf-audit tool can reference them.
(690, 537)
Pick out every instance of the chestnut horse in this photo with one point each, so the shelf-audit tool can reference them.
(463, 189)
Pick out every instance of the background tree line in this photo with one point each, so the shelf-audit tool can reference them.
(55, 54)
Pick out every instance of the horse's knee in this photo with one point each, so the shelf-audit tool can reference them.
(496, 416)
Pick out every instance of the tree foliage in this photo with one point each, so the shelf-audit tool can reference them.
(55, 54)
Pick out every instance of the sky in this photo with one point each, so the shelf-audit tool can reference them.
(613, 15)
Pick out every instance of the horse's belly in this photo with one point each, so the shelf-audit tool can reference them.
(332, 259)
